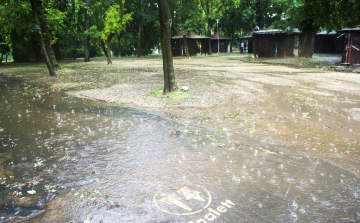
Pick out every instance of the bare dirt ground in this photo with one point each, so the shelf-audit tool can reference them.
(312, 112)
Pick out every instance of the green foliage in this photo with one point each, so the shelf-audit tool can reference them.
(115, 22)
(157, 92)
(190, 15)
(176, 96)
(94, 34)
(321, 14)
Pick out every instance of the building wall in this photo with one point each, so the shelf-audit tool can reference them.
(178, 47)
(250, 46)
(222, 45)
(265, 45)
(328, 44)
(192, 47)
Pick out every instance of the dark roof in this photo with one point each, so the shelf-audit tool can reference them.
(352, 28)
(218, 36)
(192, 35)
(180, 33)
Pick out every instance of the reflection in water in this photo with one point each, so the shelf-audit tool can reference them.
(65, 159)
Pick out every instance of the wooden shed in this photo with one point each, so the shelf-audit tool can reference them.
(274, 42)
(219, 43)
(351, 47)
(331, 42)
(194, 41)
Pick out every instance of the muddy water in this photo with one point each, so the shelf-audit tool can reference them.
(89, 160)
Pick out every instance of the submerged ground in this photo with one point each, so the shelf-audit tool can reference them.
(249, 141)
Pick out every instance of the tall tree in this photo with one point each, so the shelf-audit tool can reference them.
(115, 22)
(42, 31)
(168, 66)
(87, 29)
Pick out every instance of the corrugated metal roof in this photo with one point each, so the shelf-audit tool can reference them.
(276, 31)
(245, 37)
(352, 28)
(191, 37)
(333, 32)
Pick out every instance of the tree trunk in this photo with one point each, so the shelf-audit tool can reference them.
(103, 47)
(46, 40)
(140, 40)
(49, 63)
(107, 47)
(306, 38)
(87, 28)
(36, 50)
(1, 58)
(232, 38)
(209, 34)
(57, 50)
(186, 47)
(168, 66)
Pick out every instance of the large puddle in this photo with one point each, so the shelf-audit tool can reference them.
(64, 159)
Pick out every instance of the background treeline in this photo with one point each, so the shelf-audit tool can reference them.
(63, 29)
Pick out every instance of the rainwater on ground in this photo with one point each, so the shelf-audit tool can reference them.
(64, 159)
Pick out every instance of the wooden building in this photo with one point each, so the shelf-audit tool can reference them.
(219, 43)
(249, 39)
(194, 41)
(274, 42)
(351, 47)
(331, 42)
(249, 43)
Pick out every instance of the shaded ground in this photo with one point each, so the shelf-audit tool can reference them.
(311, 115)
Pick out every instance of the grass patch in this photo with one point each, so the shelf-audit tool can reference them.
(176, 96)
(157, 92)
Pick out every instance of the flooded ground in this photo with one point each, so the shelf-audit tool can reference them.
(248, 143)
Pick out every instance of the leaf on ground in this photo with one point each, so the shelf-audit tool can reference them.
(213, 138)
(35, 182)
(225, 129)
(31, 191)
(262, 150)
(216, 144)
(10, 174)
(87, 220)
